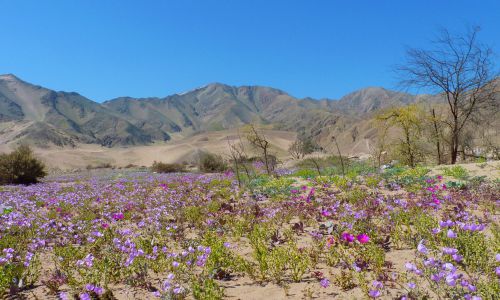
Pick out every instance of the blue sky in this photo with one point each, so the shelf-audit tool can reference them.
(105, 49)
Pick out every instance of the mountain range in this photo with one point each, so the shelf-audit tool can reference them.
(44, 117)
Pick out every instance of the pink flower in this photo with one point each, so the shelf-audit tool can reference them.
(118, 216)
(347, 237)
(363, 238)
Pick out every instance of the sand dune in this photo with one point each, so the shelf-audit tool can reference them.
(179, 150)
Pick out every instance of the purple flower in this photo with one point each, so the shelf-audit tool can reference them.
(411, 266)
(374, 293)
(447, 223)
(412, 285)
(85, 296)
(451, 234)
(457, 258)
(449, 251)
(450, 280)
(324, 282)
(356, 268)
(421, 247)
(450, 267)
(377, 284)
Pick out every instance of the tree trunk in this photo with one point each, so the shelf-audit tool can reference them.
(267, 162)
(454, 150)
(436, 132)
(454, 140)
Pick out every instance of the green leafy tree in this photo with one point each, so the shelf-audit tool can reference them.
(21, 167)
(406, 119)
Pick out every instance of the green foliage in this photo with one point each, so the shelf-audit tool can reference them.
(354, 195)
(481, 160)
(474, 248)
(345, 280)
(305, 173)
(21, 167)
(411, 178)
(259, 240)
(299, 262)
(161, 167)
(212, 163)
(271, 186)
(277, 262)
(457, 172)
(407, 119)
(372, 181)
(206, 288)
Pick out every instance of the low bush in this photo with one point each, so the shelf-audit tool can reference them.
(212, 163)
(100, 166)
(21, 167)
(457, 172)
(161, 167)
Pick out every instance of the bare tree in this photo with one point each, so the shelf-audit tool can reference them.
(460, 68)
(297, 149)
(260, 142)
(334, 139)
(238, 157)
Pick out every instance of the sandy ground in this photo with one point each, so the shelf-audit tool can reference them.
(178, 150)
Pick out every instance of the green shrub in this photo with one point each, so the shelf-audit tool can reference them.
(212, 163)
(160, 167)
(100, 166)
(480, 160)
(305, 173)
(271, 186)
(21, 167)
(457, 172)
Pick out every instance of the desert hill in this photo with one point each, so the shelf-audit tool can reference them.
(43, 117)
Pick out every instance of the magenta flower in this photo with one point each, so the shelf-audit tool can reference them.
(347, 237)
(363, 238)
(118, 216)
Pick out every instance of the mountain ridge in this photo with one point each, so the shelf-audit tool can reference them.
(68, 118)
